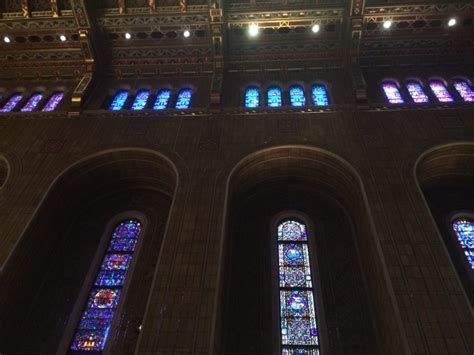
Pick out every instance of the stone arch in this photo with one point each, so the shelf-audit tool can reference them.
(445, 176)
(326, 188)
(52, 259)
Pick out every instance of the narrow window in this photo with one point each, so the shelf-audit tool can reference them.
(140, 100)
(417, 93)
(464, 91)
(392, 93)
(119, 100)
(184, 99)
(252, 97)
(464, 229)
(53, 102)
(162, 100)
(32, 103)
(274, 97)
(298, 326)
(440, 91)
(297, 98)
(96, 318)
(11, 103)
(319, 95)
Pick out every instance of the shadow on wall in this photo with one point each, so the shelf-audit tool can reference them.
(328, 190)
(41, 281)
(445, 175)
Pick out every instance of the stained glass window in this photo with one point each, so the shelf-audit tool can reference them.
(11, 103)
(274, 97)
(104, 297)
(392, 93)
(298, 325)
(252, 97)
(297, 98)
(119, 100)
(440, 91)
(464, 229)
(162, 100)
(32, 103)
(140, 100)
(53, 102)
(417, 93)
(184, 99)
(319, 95)
(464, 91)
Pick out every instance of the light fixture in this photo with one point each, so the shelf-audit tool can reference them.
(7, 39)
(452, 21)
(253, 29)
(315, 28)
(63, 38)
(128, 35)
(387, 24)
(186, 34)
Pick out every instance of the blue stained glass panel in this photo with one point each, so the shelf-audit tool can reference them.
(116, 262)
(11, 103)
(32, 103)
(119, 101)
(297, 97)
(274, 97)
(162, 100)
(464, 229)
(319, 95)
(90, 340)
(130, 229)
(95, 323)
(292, 231)
(122, 245)
(392, 93)
(53, 102)
(252, 97)
(299, 331)
(299, 351)
(464, 91)
(140, 100)
(110, 278)
(184, 99)
(440, 91)
(470, 257)
(417, 93)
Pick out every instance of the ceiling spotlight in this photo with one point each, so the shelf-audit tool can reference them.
(128, 35)
(63, 38)
(186, 34)
(387, 24)
(253, 29)
(451, 22)
(315, 28)
(7, 39)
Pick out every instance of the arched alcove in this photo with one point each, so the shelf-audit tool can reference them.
(4, 170)
(46, 273)
(445, 175)
(327, 190)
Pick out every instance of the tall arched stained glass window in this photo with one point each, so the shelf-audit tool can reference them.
(32, 103)
(184, 99)
(252, 97)
(392, 93)
(464, 229)
(417, 93)
(162, 100)
(104, 297)
(464, 91)
(274, 97)
(119, 100)
(297, 98)
(53, 102)
(11, 103)
(298, 325)
(440, 91)
(140, 100)
(319, 95)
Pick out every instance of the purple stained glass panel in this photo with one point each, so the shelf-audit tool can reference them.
(89, 340)
(119, 101)
(299, 331)
(299, 351)
(392, 93)
(11, 103)
(32, 103)
(417, 93)
(464, 229)
(104, 298)
(111, 278)
(122, 245)
(292, 231)
(252, 97)
(297, 97)
(184, 99)
(53, 102)
(440, 91)
(95, 323)
(274, 97)
(116, 262)
(464, 91)
(162, 100)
